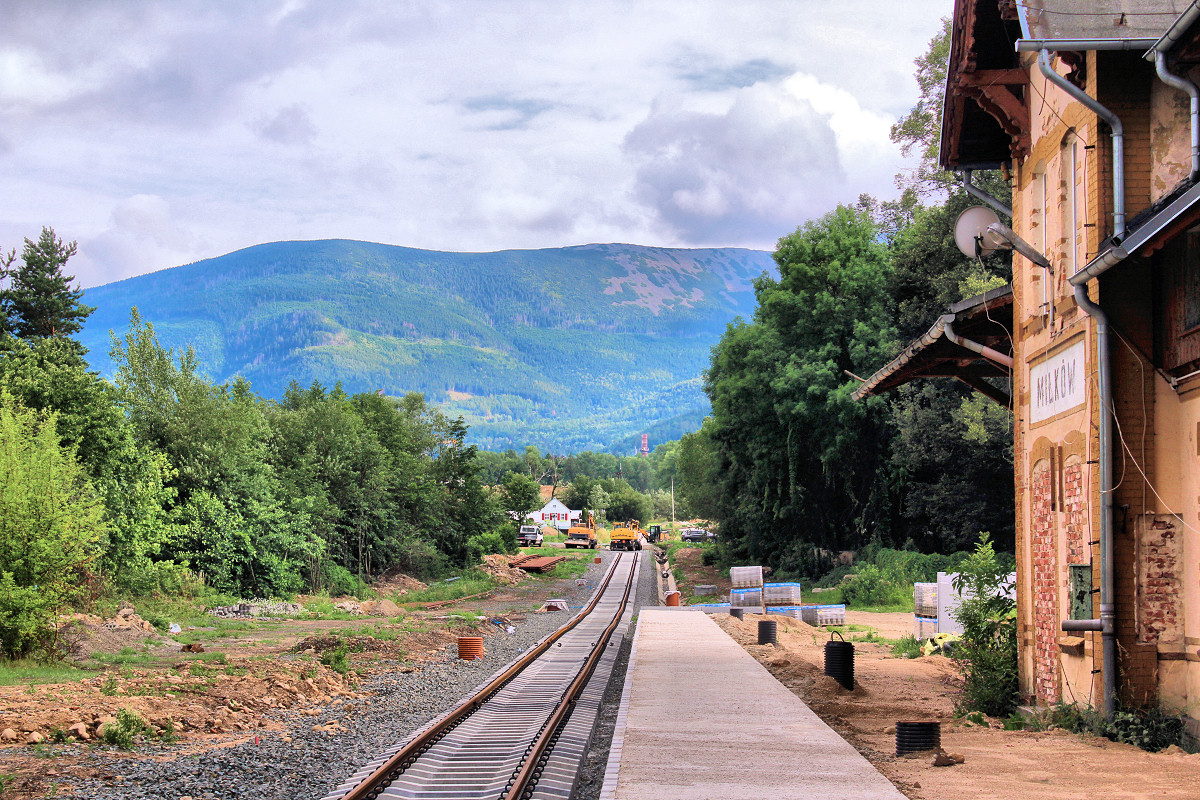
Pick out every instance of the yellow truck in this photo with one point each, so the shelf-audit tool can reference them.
(626, 536)
(580, 535)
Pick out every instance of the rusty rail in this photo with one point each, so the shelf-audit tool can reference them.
(390, 770)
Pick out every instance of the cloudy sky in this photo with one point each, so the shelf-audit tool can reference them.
(159, 133)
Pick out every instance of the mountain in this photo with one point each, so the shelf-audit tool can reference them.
(569, 348)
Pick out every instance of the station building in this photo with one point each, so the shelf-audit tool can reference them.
(1091, 108)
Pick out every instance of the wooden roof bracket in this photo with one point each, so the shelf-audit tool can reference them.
(996, 92)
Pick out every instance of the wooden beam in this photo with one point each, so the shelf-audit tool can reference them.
(983, 387)
(994, 77)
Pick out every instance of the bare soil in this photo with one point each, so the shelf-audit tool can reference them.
(218, 697)
(999, 764)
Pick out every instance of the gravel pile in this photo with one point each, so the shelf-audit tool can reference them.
(312, 763)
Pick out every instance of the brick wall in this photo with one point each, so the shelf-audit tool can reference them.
(1045, 584)
(1158, 584)
(1076, 514)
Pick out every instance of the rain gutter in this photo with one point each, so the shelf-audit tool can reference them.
(1106, 624)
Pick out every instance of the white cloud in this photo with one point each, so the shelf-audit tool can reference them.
(161, 133)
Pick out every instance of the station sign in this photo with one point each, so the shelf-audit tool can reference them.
(1059, 383)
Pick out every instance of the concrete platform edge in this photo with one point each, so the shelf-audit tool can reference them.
(612, 771)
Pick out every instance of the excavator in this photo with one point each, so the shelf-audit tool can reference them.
(581, 535)
(626, 536)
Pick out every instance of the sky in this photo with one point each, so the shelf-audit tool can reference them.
(160, 133)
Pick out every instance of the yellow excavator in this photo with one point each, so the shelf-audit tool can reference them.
(626, 536)
(580, 535)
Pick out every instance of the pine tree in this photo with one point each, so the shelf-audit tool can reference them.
(40, 301)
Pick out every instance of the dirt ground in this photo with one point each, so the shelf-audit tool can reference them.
(218, 697)
(999, 764)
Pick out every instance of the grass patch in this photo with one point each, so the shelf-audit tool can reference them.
(829, 597)
(907, 647)
(571, 568)
(128, 656)
(472, 582)
(26, 672)
(214, 628)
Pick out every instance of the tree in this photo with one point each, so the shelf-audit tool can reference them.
(921, 128)
(40, 300)
(697, 487)
(799, 461)
(519, 494)
(50, 522)
(579, 492)
(234, 520)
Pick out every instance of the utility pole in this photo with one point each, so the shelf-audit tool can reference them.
(672, 504)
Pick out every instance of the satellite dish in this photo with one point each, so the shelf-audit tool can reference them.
(971, 231)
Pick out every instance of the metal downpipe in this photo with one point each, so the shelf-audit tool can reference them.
(980, 194)
(1118, 136)
(1108, 606)
(1183, 85)
(995, 356)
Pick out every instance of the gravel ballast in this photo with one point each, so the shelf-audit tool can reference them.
(313, 762)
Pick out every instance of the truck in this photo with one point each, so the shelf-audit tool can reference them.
(626, 536)
(529, 536)
(582, 535)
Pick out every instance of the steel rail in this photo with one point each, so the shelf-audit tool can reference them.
(531, 769)
(375, 784)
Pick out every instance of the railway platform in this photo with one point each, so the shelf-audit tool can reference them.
(701, 719)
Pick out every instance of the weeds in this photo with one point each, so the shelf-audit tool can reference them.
(127, 726)
(907, 647)
(988, 650)
(109, 687)
(335, 659)
(1151, 729)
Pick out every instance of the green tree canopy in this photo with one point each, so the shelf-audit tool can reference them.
(50, 523)
(798, 460)
(40, 302)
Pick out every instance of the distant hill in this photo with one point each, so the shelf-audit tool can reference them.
(569, 348)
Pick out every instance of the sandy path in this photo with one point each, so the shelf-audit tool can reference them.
(1001, 765)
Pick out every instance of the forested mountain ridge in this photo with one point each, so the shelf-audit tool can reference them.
(567, 348)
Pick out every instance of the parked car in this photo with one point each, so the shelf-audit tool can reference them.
(697, 535)
(529, 536)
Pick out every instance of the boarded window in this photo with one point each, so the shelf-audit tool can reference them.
(1081, 591)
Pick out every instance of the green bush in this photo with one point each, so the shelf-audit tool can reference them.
(339, 581)
(125, 729)
(50, 523)
(907, 647)
(872, 586)
(1151, 729)
(335, 659)
(988, 652)
(484, 544)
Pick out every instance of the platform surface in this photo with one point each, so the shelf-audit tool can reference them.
(700, 719)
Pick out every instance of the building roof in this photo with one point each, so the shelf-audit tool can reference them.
(986, 319)
(1150, 230)
(1101, 19)
(985, 116)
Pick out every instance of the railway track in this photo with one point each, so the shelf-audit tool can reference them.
(524, 732)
